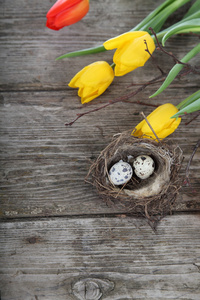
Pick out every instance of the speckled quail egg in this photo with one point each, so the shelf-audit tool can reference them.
(143, 166)
(120, 173)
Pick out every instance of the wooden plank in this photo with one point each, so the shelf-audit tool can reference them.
(122, 258)
(29, 49)
(44, 163)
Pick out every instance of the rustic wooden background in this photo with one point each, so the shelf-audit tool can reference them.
(58, 239)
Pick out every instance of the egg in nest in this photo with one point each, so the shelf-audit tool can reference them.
(144, 166)
(120, 173)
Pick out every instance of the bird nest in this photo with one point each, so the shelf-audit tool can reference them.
(152, 197)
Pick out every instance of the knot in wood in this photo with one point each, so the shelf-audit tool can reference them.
(87, 290)
(91, 288)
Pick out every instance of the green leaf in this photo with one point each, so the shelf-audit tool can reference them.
(196, 15)
(176, 69)
(157, 18)
(83, 52)
(155, 12)
(188, 26)
(195, 106)
(189, 100)
(194, 8)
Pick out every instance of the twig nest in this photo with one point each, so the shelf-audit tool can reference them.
(147, 170)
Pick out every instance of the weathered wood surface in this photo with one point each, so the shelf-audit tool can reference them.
(70, 258)
(44, 163)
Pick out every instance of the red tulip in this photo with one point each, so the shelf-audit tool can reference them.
(66, 12)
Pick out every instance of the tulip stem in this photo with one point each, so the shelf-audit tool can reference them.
(150, 126)
(113, 65)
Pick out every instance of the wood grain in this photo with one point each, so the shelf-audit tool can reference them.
(43, 162)
(58, 239)
(46, 258)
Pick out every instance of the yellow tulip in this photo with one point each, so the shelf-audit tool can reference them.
(92, 80)
(130, 53)
(161, 122)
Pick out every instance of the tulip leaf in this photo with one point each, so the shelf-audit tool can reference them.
(195, 15)
(157, 18)
(195, 106)
(160, 34)
(83, 52)
(176, 69)
(152, 15)
(194, 8)
(189, 100)
(188, 26)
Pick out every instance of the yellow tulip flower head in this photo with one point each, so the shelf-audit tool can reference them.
(92, 80)
(161, 122)
(130, 53)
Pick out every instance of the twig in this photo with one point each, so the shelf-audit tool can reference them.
(150, 126)
(187, 181)
(153, 59)
(142, 86)
(196, 116)
(191, 33)
(87, 112)
(188, 66)
(141, 103)
(149, 83)
(168, 53)
(120, 99)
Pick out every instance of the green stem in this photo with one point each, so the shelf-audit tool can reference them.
(98, 49)
(155, 17)
(113, 65)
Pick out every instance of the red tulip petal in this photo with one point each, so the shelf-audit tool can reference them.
(61, 5)
(72, 11)
(68, 16)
